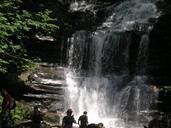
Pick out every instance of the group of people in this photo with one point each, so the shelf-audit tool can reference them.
(67, 122)
(69, 119)
(35, 116)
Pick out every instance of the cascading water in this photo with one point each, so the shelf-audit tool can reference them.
(98, 76)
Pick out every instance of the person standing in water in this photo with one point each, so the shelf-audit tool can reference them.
(68, 120)
(83, 120)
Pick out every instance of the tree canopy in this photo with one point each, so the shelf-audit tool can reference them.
(17, 24)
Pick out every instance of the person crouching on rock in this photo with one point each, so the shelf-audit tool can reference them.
(68, 120)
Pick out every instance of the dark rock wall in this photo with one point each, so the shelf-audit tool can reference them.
(46, 51)
(160, 61)
(160, 45)
(68, 22)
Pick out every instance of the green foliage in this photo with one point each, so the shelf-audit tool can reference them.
(20, 112)
(17, 25)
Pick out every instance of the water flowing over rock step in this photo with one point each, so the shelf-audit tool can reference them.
(49, 75)
(44, 91)
(39, 97)
(50, 82)
(47, 86)
(49, 89)
(49, 72)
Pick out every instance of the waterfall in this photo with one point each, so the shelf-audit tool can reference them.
(98, 75)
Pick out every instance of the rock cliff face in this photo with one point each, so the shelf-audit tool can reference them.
(70, 21)
(54, 50)
(160, 61)
(160, 45)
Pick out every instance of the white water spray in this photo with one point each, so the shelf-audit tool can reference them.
(103, 88)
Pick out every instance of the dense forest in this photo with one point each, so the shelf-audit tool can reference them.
(20, 22)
